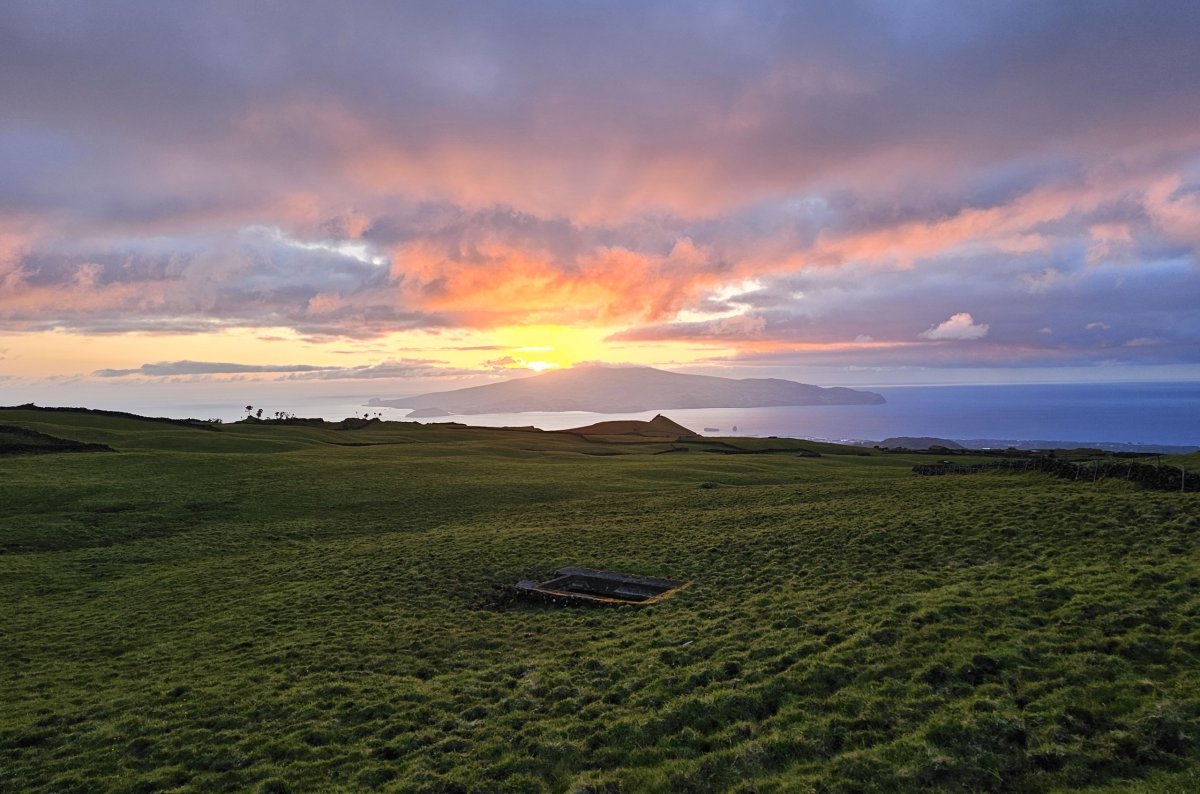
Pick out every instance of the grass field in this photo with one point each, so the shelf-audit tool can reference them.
(275, 609)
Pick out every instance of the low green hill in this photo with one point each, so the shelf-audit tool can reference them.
(275, 608)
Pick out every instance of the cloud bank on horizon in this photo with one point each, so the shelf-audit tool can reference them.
(832, 183)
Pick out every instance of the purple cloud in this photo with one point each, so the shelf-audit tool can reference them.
(873, 168)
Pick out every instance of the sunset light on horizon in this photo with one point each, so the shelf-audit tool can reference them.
(426, 197)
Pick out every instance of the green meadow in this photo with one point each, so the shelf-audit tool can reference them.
(270, 608)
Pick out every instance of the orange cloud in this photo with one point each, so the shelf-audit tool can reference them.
(1010, 228)
(498, 283)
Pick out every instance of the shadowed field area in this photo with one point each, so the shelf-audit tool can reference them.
(306, 608)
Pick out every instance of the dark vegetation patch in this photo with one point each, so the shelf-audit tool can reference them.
(21, 441)
(349, 423)
(314, 621)
(1154, 476)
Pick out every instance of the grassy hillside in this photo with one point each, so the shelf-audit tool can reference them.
(311, 609)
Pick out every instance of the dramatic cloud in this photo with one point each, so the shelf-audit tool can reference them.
(859, 315)
(827, 179)
(960, 326)
(169, 368)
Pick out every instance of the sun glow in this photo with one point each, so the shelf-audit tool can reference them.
(543, 347)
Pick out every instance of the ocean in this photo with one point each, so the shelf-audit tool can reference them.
(1126, 413)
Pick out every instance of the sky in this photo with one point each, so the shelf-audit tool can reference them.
(388, 198)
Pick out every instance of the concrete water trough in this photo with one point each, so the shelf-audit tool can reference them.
(588, 587)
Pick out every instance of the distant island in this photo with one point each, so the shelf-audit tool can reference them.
(613, 390)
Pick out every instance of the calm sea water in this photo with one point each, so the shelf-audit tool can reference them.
(1159, 413)
(1138, 413)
